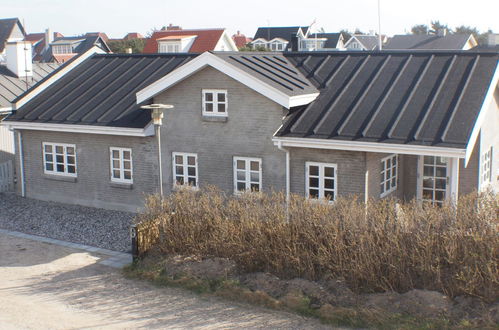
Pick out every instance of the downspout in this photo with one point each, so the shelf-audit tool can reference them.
(280, 147)
(21, 163)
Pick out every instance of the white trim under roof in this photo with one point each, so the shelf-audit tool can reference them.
(88, 129)
(38, 89)
(225, 38)
(209, 59)
(406, 149)
(482, 114)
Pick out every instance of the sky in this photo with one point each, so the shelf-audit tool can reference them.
(116, 18)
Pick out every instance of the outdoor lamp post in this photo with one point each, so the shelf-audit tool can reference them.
(157, 120)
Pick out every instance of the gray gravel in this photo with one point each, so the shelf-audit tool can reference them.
(78, 224)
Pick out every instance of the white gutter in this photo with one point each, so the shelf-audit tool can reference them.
(89, 129)
(370, 147)
(279, 146)
(21, 163)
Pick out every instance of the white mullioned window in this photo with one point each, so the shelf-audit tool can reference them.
(185, 169)
(247, 174)
(62, 49)
(169, 47)
(389, 172)
(215, 102)
(59, 159)
(321, 180)
(121, 165)
(487, 166)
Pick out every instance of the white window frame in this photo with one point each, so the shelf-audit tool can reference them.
(321, 178)
(487, 166)
(383, 178)
(247, 173)
(215, 102)
(54, 162)
(121, 168)
(169, 47)
(185, 169)
(62, 49)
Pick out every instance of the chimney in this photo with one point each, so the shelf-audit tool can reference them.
(294, 42)
(48, 38)
(172, 27)
(441, 32)
(493, 39)
(19, 59)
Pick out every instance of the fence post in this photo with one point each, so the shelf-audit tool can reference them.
(135, 245)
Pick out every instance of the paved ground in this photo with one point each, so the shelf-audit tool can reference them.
(44, 285)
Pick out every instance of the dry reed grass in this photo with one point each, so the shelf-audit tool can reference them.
(385, 246)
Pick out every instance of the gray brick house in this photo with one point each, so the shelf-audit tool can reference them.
(398, 124)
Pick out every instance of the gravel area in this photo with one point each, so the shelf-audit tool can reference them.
(78, 224)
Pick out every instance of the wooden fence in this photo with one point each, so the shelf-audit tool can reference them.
(6, 176)
(144, 235)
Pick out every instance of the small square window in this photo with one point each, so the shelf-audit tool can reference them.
(389, 173)
(247, 174)
(320, 181)
(185, 169)
(59, 159)
(121, 165)
(214, 102)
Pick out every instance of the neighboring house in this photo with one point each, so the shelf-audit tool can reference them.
(492, 44)
(61, 49)
(240, 40)
(11, 29)
(362, 42)
(278, 38)
(321, 42)
(16, 76)
(440, 41)
(133, 35)
(178, 40)
(323, 124)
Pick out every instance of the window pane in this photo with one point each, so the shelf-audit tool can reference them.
(180, 180)
(329, 184)
(192, 182)
(440, 161)
(255, 187)
(313, 193)
(208, 96)
(440, 183)
(70, 150)
(313, 182)
(71, 160)
(394, 182)
(59, 149)
(126, 154)
(329, 195)
(191, 171)
(394, 160)
(179, 170)
(60, 168)
(388, 162)
(116, 174)
(255, 177)
(71, 169)
(428, 171)
(428, 183)
(191, 160)
(329, 172)
(241, 186)
(59, 158)
(387, 185)
(127, 165)
(221, 107)
(439, 195)
(255, 166)
(48, 148)
(313, 170)
(394, 171)
(427, 194)
(241, 165)
(221, 97)
(116, 164)
(178, 159)
(49, 158)
(116, 154)
(49, 166)
(441, 172)
(128, 175)
(428, 160)
(241, 175)
(208, 107)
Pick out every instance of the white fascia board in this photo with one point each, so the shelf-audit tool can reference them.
(369, 147)
(259, 39)
(209, 59)
(225, 38)
(87, 129)
(37, 90)
(482, 115)
(5, 111)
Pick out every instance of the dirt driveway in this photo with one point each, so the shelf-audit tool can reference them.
(49, 286)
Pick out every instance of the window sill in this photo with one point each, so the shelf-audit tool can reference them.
(217, 119)
(60, 178)
(121, 185)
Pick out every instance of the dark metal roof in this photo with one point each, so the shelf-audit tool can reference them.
(427, 42)
(11, 86)
(332, 39)
(369, 42)
(422, 98)
(283, 32)
(101, 91)
(6, 26)
(83, 43)
(273, 68)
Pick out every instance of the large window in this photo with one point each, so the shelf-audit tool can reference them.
(185, 169)
(389, 174)
(321, 181)
(62, 49)
(214, 102)
(247, 174)
(277, 46)
(121, 165)
(486, 166)
(59, 159)
(169, 47)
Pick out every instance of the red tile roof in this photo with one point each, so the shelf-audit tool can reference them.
(240, 39)
(206, 39)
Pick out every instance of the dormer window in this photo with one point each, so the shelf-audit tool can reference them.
(62, 49)
(215, 102)
(169, 47)
(277, 46)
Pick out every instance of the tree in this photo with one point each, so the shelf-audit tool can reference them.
(121, 46)
(481, 38)
(436, 26)
(419, 29)
(249, 48)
